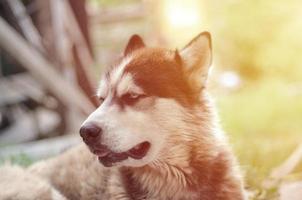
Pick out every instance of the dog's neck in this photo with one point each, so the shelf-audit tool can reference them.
(149, 181)
(177, 173)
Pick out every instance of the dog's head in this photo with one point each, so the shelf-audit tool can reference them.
(144, 100)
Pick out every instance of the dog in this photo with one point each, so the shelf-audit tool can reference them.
(154, 135)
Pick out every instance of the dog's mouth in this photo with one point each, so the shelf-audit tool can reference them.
(108, 157)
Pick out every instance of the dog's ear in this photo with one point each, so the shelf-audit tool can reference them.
(134, 43)
(196, 58)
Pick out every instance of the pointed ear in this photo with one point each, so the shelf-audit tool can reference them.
(197, 58)
(134, 43)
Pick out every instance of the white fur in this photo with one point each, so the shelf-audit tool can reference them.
(122, 130)
(103, 88)
(118, 71)
(126, 84)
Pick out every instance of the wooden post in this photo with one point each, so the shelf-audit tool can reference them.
(24, 21)
(41, 69)
(81, 52)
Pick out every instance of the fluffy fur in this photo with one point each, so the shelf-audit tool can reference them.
(189, 158)
(18, 184)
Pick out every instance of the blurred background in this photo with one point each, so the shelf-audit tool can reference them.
(52, 53)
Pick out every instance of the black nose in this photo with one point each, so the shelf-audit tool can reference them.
(90, 132)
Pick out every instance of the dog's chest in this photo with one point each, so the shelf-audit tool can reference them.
(145, 190)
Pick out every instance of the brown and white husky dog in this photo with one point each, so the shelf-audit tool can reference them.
(154, 135)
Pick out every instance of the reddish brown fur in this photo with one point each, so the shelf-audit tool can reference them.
(195, 163)
(159, 74)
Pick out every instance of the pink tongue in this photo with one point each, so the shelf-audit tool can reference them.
(139, 151)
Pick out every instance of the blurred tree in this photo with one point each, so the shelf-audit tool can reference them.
(257, 38)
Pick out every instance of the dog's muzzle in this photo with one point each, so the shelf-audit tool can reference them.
(91, 135)
(108, 158)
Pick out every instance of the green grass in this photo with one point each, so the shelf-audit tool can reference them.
(264, 123)
(19, 159)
